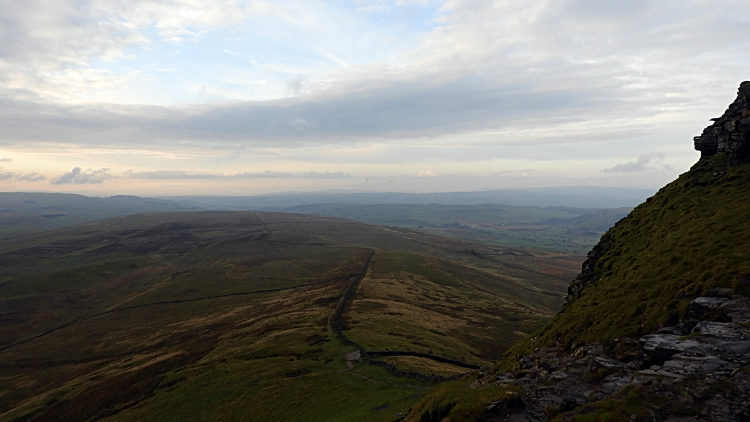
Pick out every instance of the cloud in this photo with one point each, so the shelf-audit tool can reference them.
(642, 164)
(177, 174)
(55, 46)
(543, 67)
(427, 173)
(86, 177)
(315, 80)
(5, 160)
(28, 177)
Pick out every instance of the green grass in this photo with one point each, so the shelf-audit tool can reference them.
(422, 304)
(459, 401)
(689, 238)
(171, 318)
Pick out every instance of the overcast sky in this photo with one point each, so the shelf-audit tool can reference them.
(158, 97)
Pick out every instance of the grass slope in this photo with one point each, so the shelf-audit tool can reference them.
(688, 238)
(226, 316)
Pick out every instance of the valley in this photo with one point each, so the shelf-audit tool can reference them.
(234, 315)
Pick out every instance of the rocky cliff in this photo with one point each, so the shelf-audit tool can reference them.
(730, 133)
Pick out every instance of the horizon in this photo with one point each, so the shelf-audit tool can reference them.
(250, 98)
(101, 194)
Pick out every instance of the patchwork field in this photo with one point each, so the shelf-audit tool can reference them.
(235, 316)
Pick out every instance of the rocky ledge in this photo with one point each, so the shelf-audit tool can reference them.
(729, 133)
(696, 370)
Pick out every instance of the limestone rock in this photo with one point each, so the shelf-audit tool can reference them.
(723, 330)
(729, 133)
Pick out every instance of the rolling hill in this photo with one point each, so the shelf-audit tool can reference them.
(561, 229)
(254, 316)
(29, 212)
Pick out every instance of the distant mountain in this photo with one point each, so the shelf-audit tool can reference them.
(23, 213)
(567, 196)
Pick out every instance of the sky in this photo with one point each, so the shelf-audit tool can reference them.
(179, 97)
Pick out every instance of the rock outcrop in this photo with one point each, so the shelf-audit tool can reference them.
(588, 273)
(729, 133)
(702, 377)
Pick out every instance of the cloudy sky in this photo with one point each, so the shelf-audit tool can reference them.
(158, 97)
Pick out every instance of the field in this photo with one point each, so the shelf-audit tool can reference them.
(236, 316)
(560, 229)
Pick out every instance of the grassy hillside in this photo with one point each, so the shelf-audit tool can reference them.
(228, 316)
(690, 237)
(562, 229)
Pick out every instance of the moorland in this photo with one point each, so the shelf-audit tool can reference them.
(556, 228)
(249, 316)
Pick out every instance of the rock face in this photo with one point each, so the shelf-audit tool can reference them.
(588, 273)
(704, 377)
(729, 133)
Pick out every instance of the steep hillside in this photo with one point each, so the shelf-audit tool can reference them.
(656, 327)
(689, 238)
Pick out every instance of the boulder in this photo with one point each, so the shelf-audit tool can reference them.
(701, 307)
(602, 362)
(660, 347)
(558, 375)
(723, 330)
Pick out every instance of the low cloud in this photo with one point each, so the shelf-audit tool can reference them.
(5, 160)
(642, 164)
(28, 177)
(83, 177)
(427, 173)
(177, 174)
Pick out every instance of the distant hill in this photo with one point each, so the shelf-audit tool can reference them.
(558, 228)
(564, 196)
(563, 229)
(23, 213)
